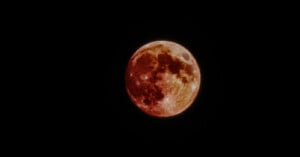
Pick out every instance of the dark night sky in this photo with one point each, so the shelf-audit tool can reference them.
(73, 62)
(86, 61)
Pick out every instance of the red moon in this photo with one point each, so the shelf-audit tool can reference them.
(162, 78)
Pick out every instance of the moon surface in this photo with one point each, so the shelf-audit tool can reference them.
(162, 78)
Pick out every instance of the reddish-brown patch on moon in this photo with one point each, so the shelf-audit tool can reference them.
(185, 56)
(159, 82)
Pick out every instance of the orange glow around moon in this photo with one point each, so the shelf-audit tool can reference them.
(162, 78)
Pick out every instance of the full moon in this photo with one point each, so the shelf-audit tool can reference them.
(162, 78)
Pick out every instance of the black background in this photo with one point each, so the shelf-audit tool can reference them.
(80, 86)
(71, 62)
(89, 69)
